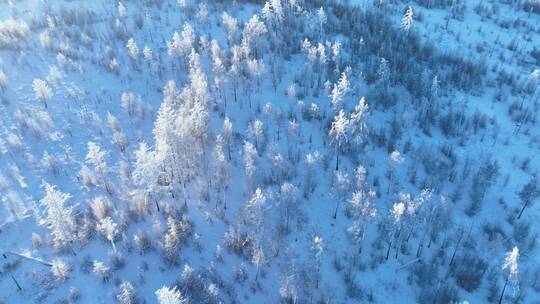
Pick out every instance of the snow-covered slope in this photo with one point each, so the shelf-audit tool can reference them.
(286, 151)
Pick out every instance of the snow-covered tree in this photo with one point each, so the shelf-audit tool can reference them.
(394, 160)
(101, 270)
(321, 14)
(108, 228)
(121, 9)
(221, 170)
(317, 249)
(231, 25)
(336, 56)
(166, 295)
(128, 102)
(42, 91)
(357, 122)
(407, 20)
(96, 157)
(126, 294)
(256, 131)
(251, 36)
(147, 54)
(339, 133)
(340, 186)
(133, 49)
(227, 135)
(60, 269)
(258, 258)
(510, 268)
(339, 92)
(256, 207)
(289, 198)
(395, 218)
(311, 160)
(59, 218)
(250, 158)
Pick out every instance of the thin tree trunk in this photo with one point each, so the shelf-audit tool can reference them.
(502, 293)
(16, 283)
(522, 209)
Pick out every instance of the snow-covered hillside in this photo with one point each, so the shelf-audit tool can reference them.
(289, 151)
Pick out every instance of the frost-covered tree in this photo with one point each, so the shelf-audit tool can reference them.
(395, 222)
(166, 295)
(101, 270)
(336, 56)
(317, 249)
(181, 44)
(255, 209)
(42, 91)
(132, 49)
(126, 293)
(121, 9)
(60, 269)
(250, 165)
(256, 132)
(59, 217)
(510, 268)
(357, 122)
(340, 186)
(147, 54)
(258, 258)
(227, 135)
(339, 92)
(221, 170)
(289, 198)
(312, 159)
(51, 163)
(251, 36)
(321, 14)
(218, 69)
(128, 101)
(146, 171)
(231, 25)
(394, 160)
(108, 228)
(339, 134)
(96, 157)
(407, 20)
